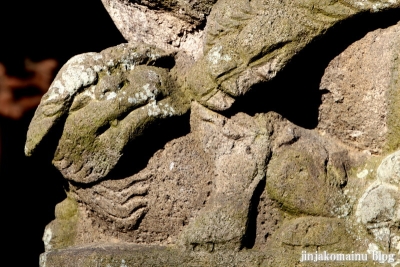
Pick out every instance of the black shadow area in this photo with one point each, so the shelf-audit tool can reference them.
(53, 29)
(294, 92)
(32, 186)
(251, 232)
(31, 189)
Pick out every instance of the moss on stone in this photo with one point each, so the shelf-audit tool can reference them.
(393, 117)
(291, 183)
(369, 166)
(122, 255)
(63, 229)
(66, 209)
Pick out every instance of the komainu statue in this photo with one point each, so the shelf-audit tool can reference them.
(246, 185)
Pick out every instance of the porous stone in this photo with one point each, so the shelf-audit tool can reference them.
(122, 255)
(151, 206)
(171, 25)
(313, 231)
(62, 232)
(110, 97)
(202, 181)
(306, 173)
(379, 207)
(389, 170)
(237, 189)
(249, 42)
(235, 50)
(239, 148)
(362, 106)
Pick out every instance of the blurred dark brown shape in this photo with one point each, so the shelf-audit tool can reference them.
(19, 95)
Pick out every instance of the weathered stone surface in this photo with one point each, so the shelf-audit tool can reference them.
(239, 148)
(170, 25)
(305, 164)
(62, 232)
(389, 170)
(248, 42)
(153, 205)
(362, 106)
(121, 255)
(201, 180)
(239, 49)
(379, 207)
(312, 231)
(110, 97)
(237, 189)
(117, 255)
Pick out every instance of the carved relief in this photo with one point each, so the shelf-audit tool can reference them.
(255, 185)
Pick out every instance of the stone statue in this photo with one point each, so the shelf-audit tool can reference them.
(238, 189)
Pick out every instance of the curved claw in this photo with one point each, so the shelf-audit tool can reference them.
(72, 78)
(106, 100)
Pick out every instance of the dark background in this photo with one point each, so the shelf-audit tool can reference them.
(53, 29)
(31, 186)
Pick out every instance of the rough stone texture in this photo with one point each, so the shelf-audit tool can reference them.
(111, 97)
(304, 164)
(249, 42)
(176, 184)
(244, 42)
(314, 231)
(193, 180)
(62, 232)
(363, 87)
(121, 255)
(136, 255)
(379, 207)
(237, 189)
(389, 170)
(172, 25)
(239, 148)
